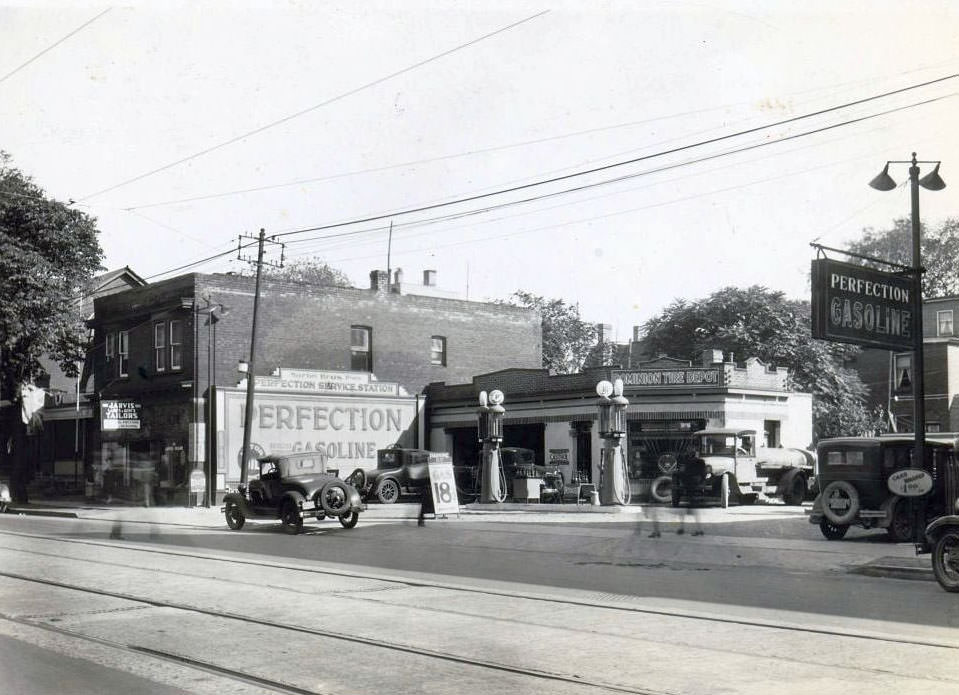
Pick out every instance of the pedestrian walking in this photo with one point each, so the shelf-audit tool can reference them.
(652, 513)
(694, 480)
(426, 504)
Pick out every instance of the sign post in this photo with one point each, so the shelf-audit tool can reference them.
(443, 485)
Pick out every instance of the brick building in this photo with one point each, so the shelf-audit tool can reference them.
(163, 350)
(888, 375)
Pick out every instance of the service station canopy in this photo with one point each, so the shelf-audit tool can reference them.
(864, 306)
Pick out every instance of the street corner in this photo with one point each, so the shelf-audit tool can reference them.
(916, 568)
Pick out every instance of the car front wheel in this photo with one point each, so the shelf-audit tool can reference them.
(234, 517)
(290, 518)
(945, 560)
(388, 491)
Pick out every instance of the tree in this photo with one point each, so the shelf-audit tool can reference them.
(757, 322)
(567, 338)
(939, 251)
(48, 251)
(307, 271)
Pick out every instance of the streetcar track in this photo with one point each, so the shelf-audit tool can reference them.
(250, 679)
(607, 601)
(324, 633)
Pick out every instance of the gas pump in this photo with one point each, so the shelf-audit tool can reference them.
(613, 481)
(490, 414)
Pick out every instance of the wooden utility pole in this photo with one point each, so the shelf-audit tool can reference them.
(251, 364)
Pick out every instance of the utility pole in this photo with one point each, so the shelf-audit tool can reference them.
(251, 368)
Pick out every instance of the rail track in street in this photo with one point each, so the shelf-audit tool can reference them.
(68, 567)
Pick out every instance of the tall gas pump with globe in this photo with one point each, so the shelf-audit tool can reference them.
(613, 482)
(490, 414)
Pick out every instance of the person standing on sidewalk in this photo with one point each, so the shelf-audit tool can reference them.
(694, 480)
(426, 504)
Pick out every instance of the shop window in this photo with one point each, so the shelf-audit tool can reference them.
(159, 345)
(176, 345)
(944, 323)
(123, 353)
(438, 350)
(361, 353)
(903, 373)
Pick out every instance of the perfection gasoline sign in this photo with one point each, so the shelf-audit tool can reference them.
(864, 306)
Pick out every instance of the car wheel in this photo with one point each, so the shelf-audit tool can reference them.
(831, 531)
(794, 488)
(901, 528)
(662, 489)
(334, 497)
(349, 520)
(840, 502)
(945, 560)
(234, 517)
(357, 479)
(388, 491)
(290, 518)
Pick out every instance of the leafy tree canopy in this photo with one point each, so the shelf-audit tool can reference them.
(567, 338)
(939, 252)
(758, 322)
(307, 271)
(48, 252)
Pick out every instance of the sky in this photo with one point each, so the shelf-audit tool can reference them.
(617, 155)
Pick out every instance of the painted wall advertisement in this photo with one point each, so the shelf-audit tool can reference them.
(348, 429)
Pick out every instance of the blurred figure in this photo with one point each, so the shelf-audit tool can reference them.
(426, 504)
(693, 468)
(652, 512)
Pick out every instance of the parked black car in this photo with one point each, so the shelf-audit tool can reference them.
(290, 488)
(398, 471)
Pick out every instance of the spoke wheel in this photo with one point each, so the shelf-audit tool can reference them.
(290, 518)
(901, 528)
(831, 531)
(945, 560)
(388, 491)
(334, 498)
(349, 520)
(234, 517)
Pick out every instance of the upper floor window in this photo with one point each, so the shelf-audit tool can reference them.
(159, 345)
(944, 321)
(361, 353)
(176, 344)
(111, 345)
(438, 350)
(903, 369)
(123, 353)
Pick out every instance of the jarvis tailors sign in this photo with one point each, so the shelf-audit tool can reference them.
(853, 304)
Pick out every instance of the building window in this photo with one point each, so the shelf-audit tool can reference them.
(944, 321)
(438, 350)
(111, 345)
(176, 345)
(361, 354)
(123, 353)
(159, 345)
(903, 369)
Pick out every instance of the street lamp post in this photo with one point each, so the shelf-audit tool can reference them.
(214, 313)
(932, 182)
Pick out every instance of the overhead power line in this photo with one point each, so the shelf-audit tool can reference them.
(302, 112)
(614, 165)
(54, 45)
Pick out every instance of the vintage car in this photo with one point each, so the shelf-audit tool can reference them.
(290, 488)
(398, 471)
(861, 480)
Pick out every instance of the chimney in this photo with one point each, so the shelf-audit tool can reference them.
(379, 281)
(397, 286)
(429, 278)
(711, 357)
(637, 333)
(604, 332)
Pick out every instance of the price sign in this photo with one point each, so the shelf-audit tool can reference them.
(443, 485)
(197, 480)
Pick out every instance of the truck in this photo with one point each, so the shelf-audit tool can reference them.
(738, 470)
